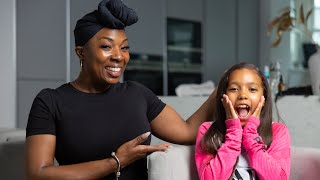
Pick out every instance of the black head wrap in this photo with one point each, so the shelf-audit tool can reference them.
(111, 14)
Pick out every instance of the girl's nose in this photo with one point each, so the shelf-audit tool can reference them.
(242, 97)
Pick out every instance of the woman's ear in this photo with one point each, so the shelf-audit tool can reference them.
(79, 52)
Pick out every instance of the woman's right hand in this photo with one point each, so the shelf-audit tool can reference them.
(40, 150)
(133, 150)
(230, 112)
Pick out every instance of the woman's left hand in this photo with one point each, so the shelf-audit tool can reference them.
(257, 111)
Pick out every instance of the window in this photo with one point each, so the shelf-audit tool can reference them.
(184, 60)
(184, 49)
(316, 22)
(301, 46)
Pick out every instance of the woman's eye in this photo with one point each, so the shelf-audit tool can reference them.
(105, 46)
(126, 48)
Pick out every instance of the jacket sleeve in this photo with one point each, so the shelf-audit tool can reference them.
(221, 165)
(271, 163)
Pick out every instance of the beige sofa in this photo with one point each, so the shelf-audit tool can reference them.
(12, 154)
(301, 115)
(178, 163)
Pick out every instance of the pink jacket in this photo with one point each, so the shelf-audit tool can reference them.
(271, 163)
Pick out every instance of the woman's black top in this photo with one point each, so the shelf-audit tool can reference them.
(89, 126)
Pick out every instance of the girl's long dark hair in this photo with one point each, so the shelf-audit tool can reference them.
(215, 136)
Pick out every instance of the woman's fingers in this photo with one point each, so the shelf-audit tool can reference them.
(134, 150)
(153, 148)
(140, 139)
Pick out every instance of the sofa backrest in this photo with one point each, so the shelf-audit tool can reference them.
(185, 106)
(300, 114)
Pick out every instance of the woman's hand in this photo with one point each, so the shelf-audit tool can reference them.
(257, 111)
(230, 112)
(133, 150)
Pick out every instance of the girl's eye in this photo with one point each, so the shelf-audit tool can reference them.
(253, 89)
(233, 89)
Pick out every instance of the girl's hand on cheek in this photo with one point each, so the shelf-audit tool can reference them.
(230, 112)
(257, 111)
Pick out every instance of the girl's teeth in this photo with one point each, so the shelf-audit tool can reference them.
(242, 106)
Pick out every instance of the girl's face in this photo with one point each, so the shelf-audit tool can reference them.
(244, 91)
(106, 55)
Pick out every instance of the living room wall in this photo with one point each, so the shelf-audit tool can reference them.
(45, 56)
(8, 64)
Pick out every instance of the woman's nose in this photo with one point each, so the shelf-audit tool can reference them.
(117, 54)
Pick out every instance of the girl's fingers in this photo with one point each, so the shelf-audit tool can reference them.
(233, 111)
(257, 111)
(228, 106)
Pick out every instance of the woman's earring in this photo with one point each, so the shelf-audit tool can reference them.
(81, 64)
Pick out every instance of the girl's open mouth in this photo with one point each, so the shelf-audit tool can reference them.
(243, 111)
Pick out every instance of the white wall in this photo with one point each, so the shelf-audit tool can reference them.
(186, 9)
(232, 35)
(8, 64)
(282, 52)
(78, 8)
(233, 31)
(41, 50)
(269, 10)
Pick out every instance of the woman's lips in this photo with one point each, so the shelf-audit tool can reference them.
(113, 71)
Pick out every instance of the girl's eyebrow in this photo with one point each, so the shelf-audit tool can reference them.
(252, 83)
(236, 83)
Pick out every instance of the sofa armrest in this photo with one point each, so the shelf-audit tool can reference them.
(305, 163)
(12, 158)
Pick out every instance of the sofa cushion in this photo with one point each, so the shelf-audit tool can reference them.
(178, 163)
(301, 116)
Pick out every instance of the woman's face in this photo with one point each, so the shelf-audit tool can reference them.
(244, 91)
(105, 56)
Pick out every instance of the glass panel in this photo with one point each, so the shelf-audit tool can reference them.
(147, 70)
(184, 52)
(150, 78)
(183, 33)
(316, 37)
(317, 3)
(317, 18)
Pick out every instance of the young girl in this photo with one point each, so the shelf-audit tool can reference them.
(242, 142)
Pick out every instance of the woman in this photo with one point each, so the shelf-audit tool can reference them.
(96, 127)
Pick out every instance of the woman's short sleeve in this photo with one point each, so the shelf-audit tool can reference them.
(154, 104)
(41, 117)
